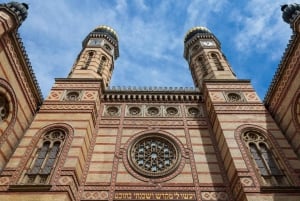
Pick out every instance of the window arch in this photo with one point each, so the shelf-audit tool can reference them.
(216, 61)
(102, 63)
(90, 55)
(45, 157)
(202, 65)
(264, 159)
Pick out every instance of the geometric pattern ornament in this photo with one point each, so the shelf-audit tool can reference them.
(154, 155)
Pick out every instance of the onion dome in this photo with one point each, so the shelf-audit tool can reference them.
(106, 30)
(194, 31)
(290, 12)
(19, 10)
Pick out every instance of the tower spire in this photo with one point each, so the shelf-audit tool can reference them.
(202, 50)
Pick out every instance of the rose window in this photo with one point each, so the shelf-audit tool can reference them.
(154, 155)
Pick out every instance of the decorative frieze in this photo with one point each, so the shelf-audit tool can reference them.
(214, 196)
(153, 110)
(95, 195)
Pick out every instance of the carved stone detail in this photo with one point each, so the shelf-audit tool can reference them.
(247, 181)
(72, 95)
(217, 96)
(214, 196)
(234, 97)
(55, 95)
(95, 195)
(112, 110)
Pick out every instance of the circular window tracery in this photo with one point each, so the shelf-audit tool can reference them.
(193, 111)
(73, 96)
(153, 111)
(172, 111)
(112, 111)
(134, 110)
(154, 155)
(234, 97)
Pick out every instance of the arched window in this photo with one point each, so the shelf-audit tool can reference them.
(264, 159)
(202, 65)
(88, 60)
(3, 107)
(46, 157)
(217, 61)
(102, 63)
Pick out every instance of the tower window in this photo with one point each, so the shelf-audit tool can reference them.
(102, 63)
(217, 61)
(45, 158)
(107, 47)
(3, 108)
(88, 60)
(202, 65)
(73, 96)
(264, 159)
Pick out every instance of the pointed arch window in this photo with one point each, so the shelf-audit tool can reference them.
(102, 63)
(264, 159)
(46, 157)
(217, 61)
(90, 55)
(202, 65)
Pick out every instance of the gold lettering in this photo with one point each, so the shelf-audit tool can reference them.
(157, 195)
(154, 196)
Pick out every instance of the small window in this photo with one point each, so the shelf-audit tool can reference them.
(3, 107)
(90, 55)
(107, 47)
(73, 96)
(202, 65)
(217, 61)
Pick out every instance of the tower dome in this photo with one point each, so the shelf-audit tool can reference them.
(106, 30)
(290, 12)
(18, 9)
(106, 33)
(194, 31)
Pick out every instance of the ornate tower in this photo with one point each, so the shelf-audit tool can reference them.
(202, 50)
(99, 51)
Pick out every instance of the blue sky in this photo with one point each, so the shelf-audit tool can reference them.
(151, 32)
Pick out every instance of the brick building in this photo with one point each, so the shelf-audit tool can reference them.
(89, 141)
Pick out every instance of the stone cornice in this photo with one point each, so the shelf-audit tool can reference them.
(152, 94)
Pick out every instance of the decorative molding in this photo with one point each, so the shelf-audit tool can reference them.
(149, 95)
(21, 76)
(242, 108)
(8, 91)
(95, 195)
(214, 196)
(191, 111)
